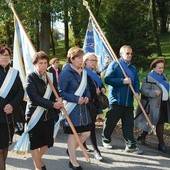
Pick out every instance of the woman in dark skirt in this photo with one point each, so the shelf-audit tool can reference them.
(75, 92)
(42, 102)
(11, 96)
(155, 99)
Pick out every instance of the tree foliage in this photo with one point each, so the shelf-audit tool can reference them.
(124, 22)
(128, 24)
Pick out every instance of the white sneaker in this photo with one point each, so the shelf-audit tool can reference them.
(134, 150)
(97, 155)
(107, 145)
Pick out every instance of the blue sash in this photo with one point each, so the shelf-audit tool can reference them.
(127, 70)
(160, 78)
(94, 76)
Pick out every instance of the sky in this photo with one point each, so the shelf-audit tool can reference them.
(60, 26)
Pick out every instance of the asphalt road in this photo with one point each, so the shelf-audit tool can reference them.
(57, 159)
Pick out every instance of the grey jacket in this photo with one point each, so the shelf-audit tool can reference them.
(151, 104)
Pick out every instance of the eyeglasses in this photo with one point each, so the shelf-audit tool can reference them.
(92, 60)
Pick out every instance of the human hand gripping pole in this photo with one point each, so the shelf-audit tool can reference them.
(85, 3)
(69, 121)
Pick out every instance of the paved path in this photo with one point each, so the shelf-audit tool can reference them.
(57, 159)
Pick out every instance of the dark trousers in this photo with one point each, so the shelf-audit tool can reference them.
(114, 114)
(93, 137)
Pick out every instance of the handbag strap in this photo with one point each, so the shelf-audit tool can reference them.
(94, 83)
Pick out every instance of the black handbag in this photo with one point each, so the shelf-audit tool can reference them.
(101, 101)
(20, 119)
(20, 114)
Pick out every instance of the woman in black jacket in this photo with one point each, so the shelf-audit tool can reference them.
(11, 96)
(91, 65)
(41, 102)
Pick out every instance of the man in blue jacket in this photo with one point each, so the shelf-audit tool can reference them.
(121, 100)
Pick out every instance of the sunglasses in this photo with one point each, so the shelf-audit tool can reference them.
(129, 53)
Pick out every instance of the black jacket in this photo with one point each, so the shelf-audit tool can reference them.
(14, 97)
(51, 70)
(36, 89)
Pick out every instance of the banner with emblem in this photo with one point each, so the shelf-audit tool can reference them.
(94, 43)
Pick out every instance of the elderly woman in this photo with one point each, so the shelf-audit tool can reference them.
(155, 99)
(11, 95)
(96, 86)
(75, 92)
(41, 103)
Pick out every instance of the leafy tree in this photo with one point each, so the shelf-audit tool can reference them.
(122, 21)
(127, 24)
(36, 18)
(6, 33)
(79, 17)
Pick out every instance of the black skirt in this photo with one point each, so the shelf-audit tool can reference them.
(79, 129)
(6, 134)
(42, 134)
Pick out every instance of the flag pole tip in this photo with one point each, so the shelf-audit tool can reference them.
(10, 4)
(85, 3)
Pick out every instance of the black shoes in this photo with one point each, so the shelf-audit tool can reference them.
(162, 148)
(141, 139)
(74, 167)
(71, 165)
(43, 168)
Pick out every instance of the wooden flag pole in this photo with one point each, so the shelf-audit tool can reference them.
(85, 3)
(69, 121)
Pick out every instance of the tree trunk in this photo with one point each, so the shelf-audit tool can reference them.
(9, 32)
(66, 25)
(45, 28)
(163, 13)
(52, 40)
(155, 27)
(37, 35)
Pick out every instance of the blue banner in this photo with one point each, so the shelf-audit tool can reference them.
(94, 43)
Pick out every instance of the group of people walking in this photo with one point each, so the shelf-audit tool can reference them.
(154, 98)
(76, 85)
